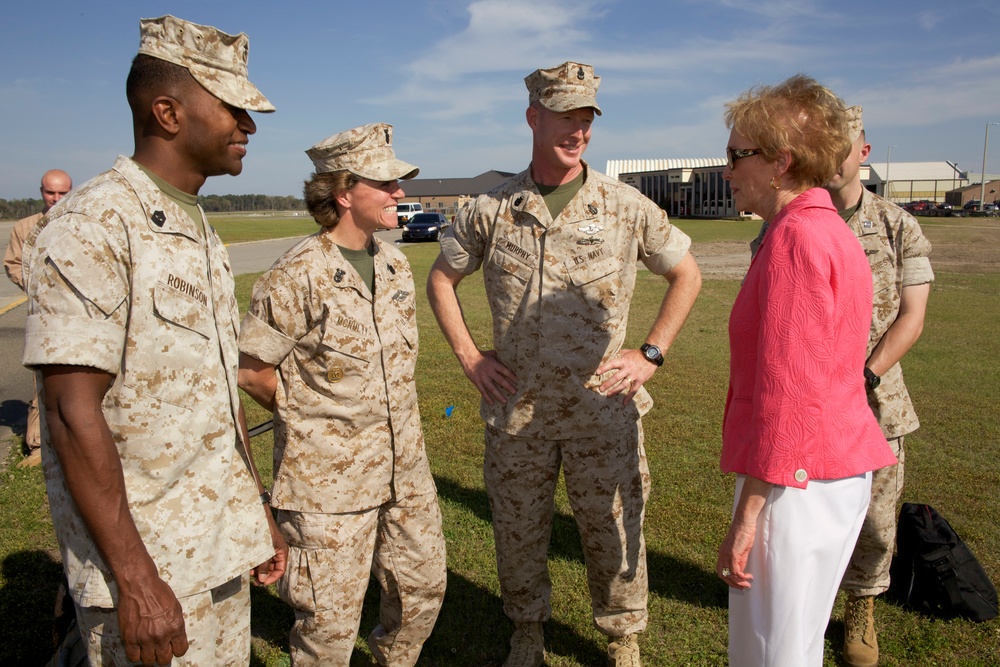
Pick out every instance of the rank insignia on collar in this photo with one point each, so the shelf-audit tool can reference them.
(591, 229)
(867, 224)
(159, 218)
(591, 209)
(338, 276)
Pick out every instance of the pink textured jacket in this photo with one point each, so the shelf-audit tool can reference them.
(796, 408)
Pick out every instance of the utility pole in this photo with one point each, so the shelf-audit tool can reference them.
(982, 183)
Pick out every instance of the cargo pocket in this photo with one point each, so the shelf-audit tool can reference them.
(304, 586)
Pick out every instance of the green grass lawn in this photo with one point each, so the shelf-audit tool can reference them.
(239, 228)
(953, 464)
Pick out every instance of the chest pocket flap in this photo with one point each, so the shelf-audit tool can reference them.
(599, 283)
(588, 272)
(506, 257)
(181, 303)
(343, 339)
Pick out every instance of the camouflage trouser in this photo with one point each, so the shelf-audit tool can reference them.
(607, 480)
(217, 623)
(868, 572)
(329, 562)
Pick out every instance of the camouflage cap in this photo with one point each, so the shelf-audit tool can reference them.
(564, 88)
(216, 60)
(365, 151)
(854, 124)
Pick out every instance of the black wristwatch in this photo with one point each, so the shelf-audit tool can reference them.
(871, 379)
(652, 353)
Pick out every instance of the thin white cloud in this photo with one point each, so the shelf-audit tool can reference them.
(962, 89)
(477, 70)
(505, 35)
(776, 9)
(929, 19)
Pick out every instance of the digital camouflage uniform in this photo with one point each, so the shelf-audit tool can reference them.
(899, 256)
(121, 279)
(351, 474)
(898, 253)
(559, 291)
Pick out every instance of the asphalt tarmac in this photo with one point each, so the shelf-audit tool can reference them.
(16, 386)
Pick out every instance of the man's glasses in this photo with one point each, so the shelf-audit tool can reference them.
(734, 154)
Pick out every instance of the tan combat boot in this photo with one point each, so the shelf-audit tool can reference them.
(860, 643)
(624, 651)
(527, 646)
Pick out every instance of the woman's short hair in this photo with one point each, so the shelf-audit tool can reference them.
(800, 116)
(321, 192)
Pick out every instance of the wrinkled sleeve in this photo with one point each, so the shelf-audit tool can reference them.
(78, 312)
(463, 243)
(279, 315)
(661, 245)
(916, 254)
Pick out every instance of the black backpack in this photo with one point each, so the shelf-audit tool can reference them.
(933, 570)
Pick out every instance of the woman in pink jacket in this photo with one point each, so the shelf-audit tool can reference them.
(797, 429)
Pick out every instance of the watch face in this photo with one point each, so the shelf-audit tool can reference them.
(652, 352)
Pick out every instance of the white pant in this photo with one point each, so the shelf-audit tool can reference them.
(804, 541)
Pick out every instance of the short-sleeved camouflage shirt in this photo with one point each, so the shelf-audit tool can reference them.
(559, 291)
(898, 253)
(347, 427)
(120, 279)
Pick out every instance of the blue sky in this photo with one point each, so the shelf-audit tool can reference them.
(448, 74)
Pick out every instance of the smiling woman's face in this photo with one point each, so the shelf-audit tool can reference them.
(373, 203)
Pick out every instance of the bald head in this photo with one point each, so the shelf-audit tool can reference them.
(55, 184)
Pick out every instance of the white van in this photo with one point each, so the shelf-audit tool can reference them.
(405, 211)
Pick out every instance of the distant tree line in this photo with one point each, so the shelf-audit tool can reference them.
(15, 209)
(236, 203)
